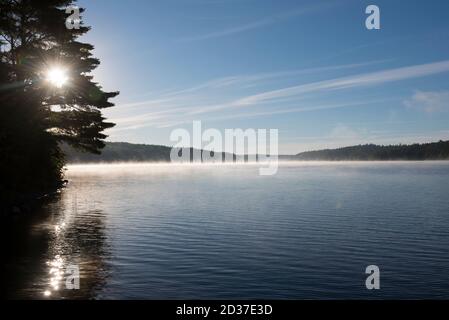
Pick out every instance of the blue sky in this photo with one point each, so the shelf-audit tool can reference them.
(308, 68)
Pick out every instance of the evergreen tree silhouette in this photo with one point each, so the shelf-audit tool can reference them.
(35, 116)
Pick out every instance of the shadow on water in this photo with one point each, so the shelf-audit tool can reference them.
(42, 251)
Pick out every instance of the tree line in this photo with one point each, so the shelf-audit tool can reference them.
(426, 151)
(127, 152)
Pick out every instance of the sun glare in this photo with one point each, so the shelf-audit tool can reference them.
(57, 77)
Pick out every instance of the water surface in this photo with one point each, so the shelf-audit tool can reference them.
(152, 231)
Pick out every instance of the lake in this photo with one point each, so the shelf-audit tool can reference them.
(153, 231)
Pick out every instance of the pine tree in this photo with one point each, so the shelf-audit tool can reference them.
(36, 116)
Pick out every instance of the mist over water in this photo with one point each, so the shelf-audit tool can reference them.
(152, 231)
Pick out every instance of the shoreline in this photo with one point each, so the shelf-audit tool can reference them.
(281, 161)
(25, 203)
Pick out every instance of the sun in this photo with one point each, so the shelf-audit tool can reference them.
(57, 76)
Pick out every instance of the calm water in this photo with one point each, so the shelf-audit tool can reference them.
(166, 231)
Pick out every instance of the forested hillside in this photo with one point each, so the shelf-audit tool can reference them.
(428, 151)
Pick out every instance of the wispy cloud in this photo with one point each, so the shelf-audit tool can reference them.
(361, 80)
(177, 107)
(185, 97)
(260, 23)
(429, 101)
(369, 79)
(307, 107)
(230, 31)
(159, 121)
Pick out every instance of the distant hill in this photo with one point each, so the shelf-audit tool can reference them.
(124, 152)
(428, 151)
(127, 152)
(120, 152)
